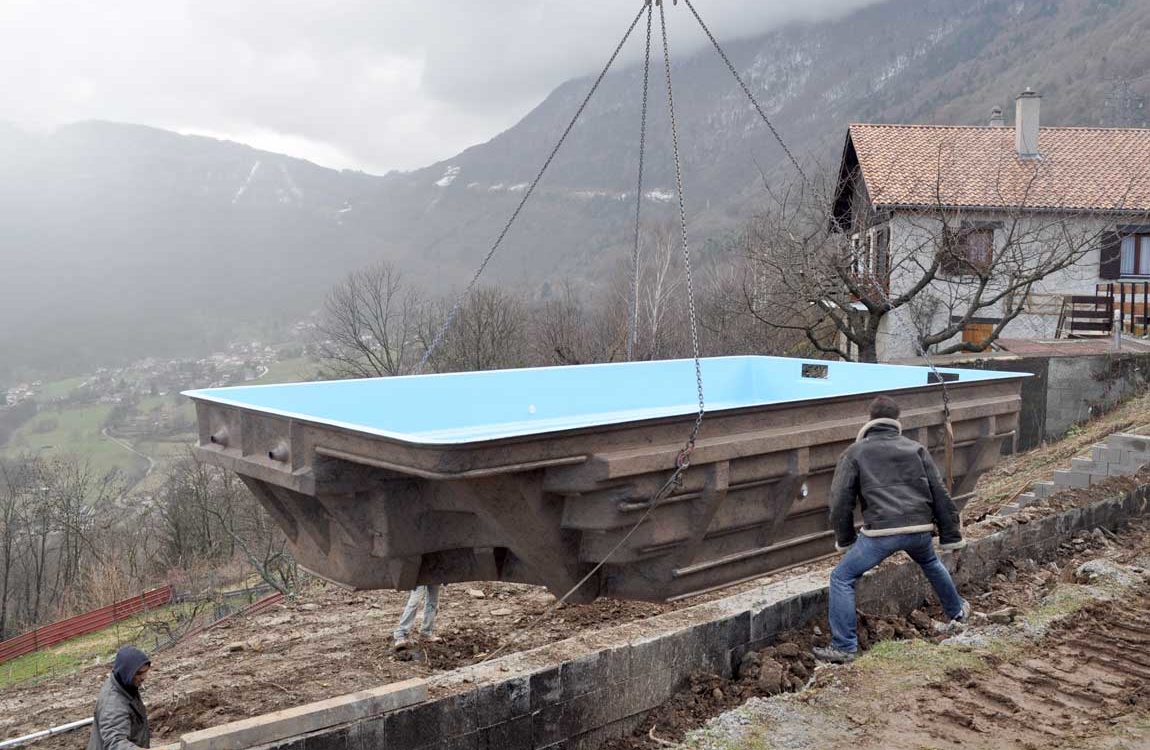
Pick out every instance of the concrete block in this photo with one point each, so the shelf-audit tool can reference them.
(273, 727)
(1113, 455)
(1127, 441)
(1026, 499)
(1082, 464)
(1043, 490)
(593, 672)
(548, 725)
(503, 701)
(365, 735)
(1098, 452)
(433, 721)
(509, 735)
(1072, 479)
(1008, 510)
(1121, 469)
(545, 688)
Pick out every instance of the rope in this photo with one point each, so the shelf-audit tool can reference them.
(633, 331)
(438, 340)
(746, 89)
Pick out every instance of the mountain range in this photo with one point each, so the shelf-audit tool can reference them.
(121, 240)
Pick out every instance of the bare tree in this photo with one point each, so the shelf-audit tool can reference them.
(369, 323)
(566, 331)
(489, 332)
(944, 267)
(210, 515)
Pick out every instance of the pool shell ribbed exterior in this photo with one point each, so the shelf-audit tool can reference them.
(370, 512)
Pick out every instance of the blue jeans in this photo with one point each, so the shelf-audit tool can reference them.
(430, 609)
(866, 553)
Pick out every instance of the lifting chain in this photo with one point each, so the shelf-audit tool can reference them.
(633, 330)
(451, 316)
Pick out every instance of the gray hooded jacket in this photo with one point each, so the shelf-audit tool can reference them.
(121, 719)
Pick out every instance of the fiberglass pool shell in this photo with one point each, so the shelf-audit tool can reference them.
(534, 475)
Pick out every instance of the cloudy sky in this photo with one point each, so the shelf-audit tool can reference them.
(365, 84)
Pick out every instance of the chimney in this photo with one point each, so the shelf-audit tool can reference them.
(996, 120)
(1026, 108)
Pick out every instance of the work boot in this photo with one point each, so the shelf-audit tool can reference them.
(401, 644)
(833, 655)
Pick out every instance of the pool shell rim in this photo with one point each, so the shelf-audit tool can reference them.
(406, 438)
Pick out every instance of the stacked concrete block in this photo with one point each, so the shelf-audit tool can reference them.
(1121, 455)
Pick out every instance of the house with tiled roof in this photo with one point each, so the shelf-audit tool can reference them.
(948, 212)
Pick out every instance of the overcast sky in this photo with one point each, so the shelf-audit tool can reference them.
(365, 84)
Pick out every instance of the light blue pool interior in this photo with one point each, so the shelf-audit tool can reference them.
(476, 406)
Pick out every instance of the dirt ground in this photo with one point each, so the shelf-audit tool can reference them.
(330, 641)
(1064, 661)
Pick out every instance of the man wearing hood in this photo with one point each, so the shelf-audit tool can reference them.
(121, 719)
(903, 502)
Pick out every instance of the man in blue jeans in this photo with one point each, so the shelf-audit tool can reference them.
(429, 595)
(903, 501)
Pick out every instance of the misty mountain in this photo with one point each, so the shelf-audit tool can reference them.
(121, 240)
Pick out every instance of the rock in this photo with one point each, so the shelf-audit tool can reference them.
(921, 620)
(476, 594)
(818, 630)
(309, 607)
(232, 648)
(798, 669)
(883, 631)
(501, 612)
(749, 665)
(978, 619)
(717, 694)
(788, 650)
(1003, 616)
(771, 677)
(1102, 571)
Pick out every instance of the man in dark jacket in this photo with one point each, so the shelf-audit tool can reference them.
(903, 501)
(121, 719)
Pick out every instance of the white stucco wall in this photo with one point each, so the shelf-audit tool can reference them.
(912, 245)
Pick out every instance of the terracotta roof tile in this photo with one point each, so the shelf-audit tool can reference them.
(1079, 168)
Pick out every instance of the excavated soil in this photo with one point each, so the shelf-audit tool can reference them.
(1094, 669)
(1082, 680)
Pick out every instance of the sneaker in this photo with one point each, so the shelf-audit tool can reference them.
(401, 644)
(833, 655)
(957, 625)
(431, 638)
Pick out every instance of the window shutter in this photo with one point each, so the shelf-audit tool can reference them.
(1110, 256)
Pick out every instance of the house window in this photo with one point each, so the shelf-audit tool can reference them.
(969, 250)
(870, 262)
(1136, 255)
